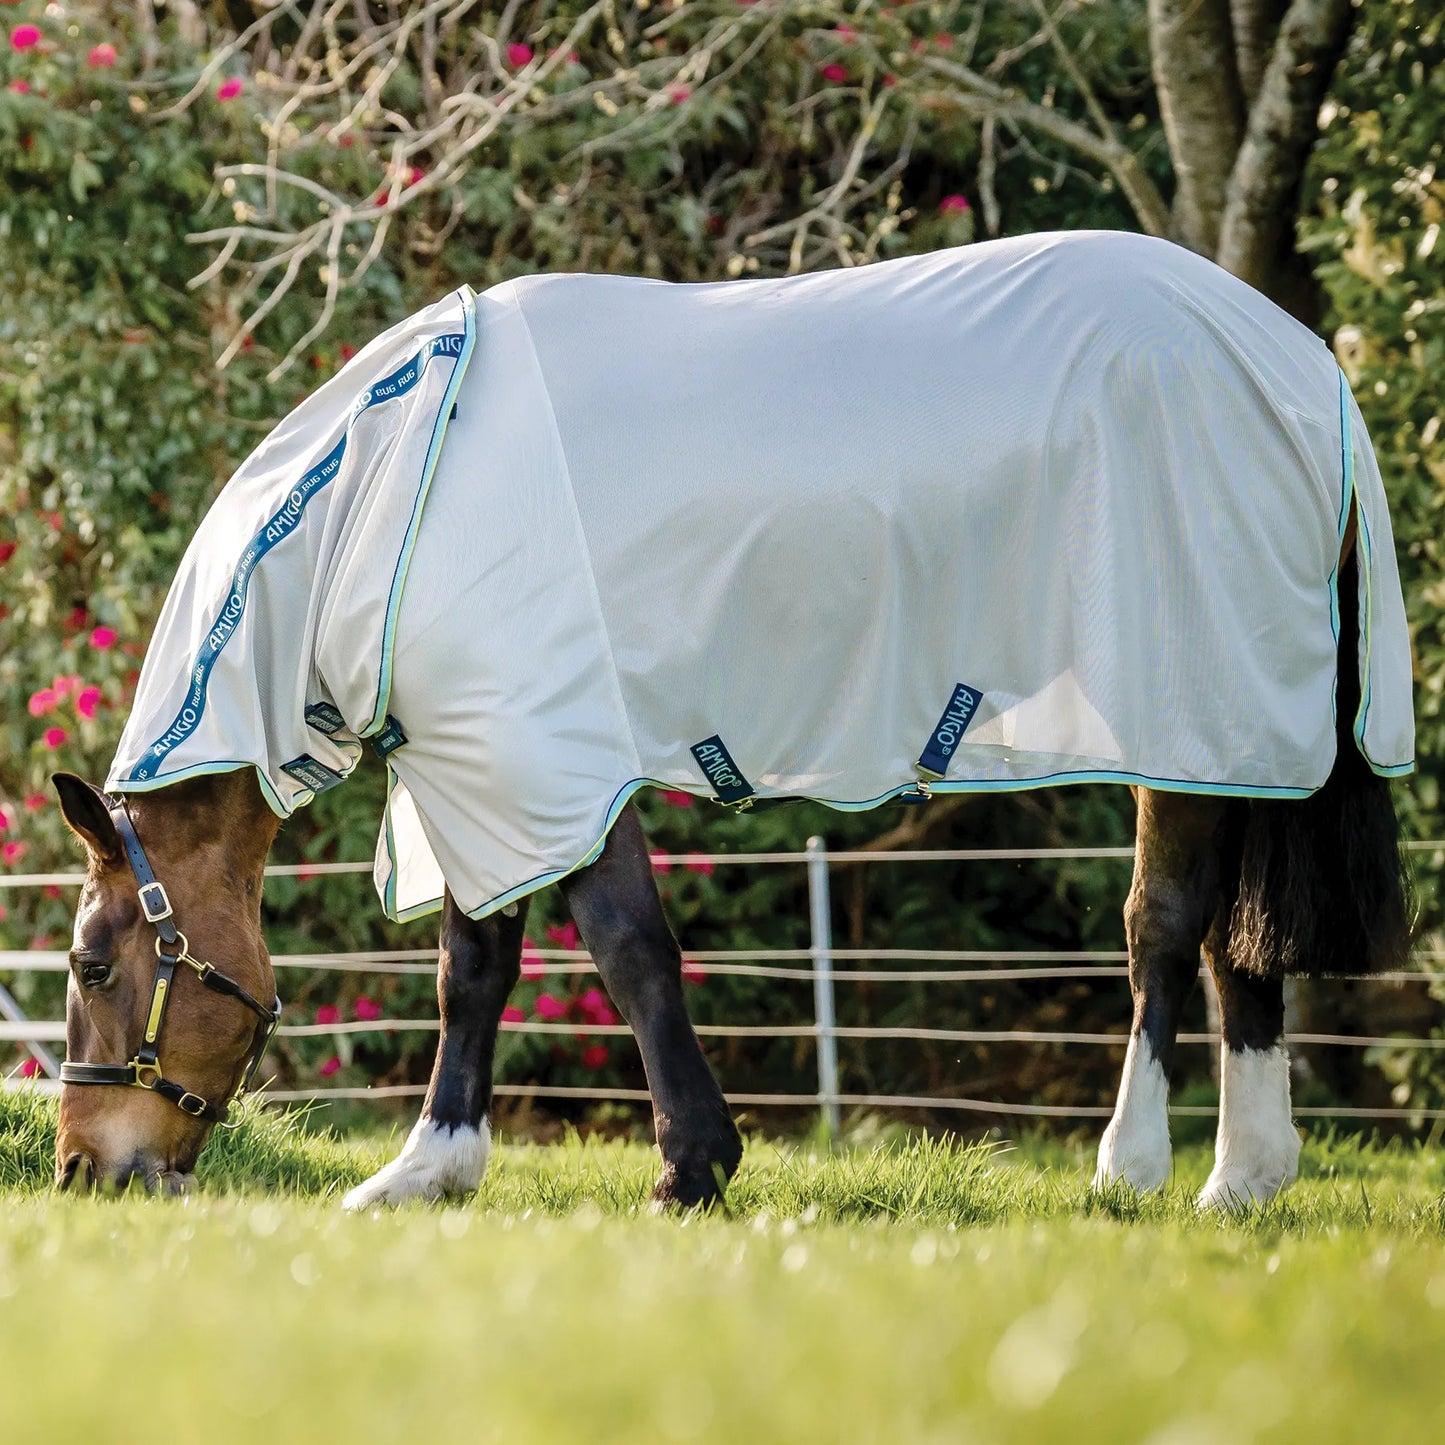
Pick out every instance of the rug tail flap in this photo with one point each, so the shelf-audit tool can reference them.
(408, 877)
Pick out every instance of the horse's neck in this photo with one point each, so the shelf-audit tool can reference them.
(225, 809)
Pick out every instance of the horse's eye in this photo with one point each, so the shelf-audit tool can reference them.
(95, 975)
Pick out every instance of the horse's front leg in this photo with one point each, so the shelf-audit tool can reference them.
(619, 915)
(1174, 895)
(446, 1153)
(1257, 1149)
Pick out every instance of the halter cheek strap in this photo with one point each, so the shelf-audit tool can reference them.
(172, 950)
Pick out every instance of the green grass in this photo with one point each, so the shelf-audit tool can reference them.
(901, 1292)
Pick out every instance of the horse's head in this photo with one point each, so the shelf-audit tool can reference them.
(170, 989)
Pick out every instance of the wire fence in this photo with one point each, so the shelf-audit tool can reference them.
(821, 964)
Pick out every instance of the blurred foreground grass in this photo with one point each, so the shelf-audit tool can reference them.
(916, 1293)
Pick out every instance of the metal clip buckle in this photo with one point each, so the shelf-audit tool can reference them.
(154, 902)
(141, 1070)
(191, 1104)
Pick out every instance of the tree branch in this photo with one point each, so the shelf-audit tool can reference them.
(1203, 109)
(1258, 217)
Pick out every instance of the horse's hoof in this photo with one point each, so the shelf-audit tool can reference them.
(1229, 1192)
(1143, 1164)
(437, 1162)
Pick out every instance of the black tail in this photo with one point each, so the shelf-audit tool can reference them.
(1324, 888)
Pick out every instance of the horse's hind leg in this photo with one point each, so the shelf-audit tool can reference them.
(446, 1152)
(1173, 897)
(620, 917)
(1257, 1149)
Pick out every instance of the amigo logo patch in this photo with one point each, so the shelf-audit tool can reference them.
(719, 769)
(934, 759)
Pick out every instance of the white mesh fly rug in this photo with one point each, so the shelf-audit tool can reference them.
(1044, 510)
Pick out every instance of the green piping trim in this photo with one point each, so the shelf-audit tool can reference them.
(433, 456)
(197, 770)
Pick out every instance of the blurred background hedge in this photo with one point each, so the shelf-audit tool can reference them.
(685, 141)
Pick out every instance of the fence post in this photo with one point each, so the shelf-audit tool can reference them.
(820, 949)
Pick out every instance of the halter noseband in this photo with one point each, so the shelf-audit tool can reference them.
(172, 950)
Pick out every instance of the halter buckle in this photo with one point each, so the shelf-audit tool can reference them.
(154, 902)
(141, 1070)
(191, 1104)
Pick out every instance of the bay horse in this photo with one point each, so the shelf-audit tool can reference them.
(1218, 625)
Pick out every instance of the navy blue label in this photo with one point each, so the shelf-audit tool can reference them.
(311, 774)
(720, 770)
(324, 718)
(389, 739)
(949, 732)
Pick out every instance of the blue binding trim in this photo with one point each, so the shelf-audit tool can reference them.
(280, 525)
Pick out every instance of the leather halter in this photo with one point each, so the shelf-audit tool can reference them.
(172, 950)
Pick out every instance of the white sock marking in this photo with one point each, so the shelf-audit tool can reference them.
(1135, 1146)
(436, 1161)
(1257, 1150)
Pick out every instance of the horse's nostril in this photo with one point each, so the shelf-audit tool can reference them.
(77, 1172)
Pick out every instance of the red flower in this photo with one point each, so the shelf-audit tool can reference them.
(25, 37)
(101, 57)
(229, 90)
(87, 700)
(42, 702)
(679, 93)
(7, 549)
(702, 865)
(692, 973)
(834, 72)
(54, 737)
(677, 798)
(51, 890)
(14, 852)
(20, 87)
(103, 638)
(943, 40)
(34, 802)
(549, 1008)
(518, 54)
(512, 1014)
(30, 1068)
(331, 1066)
(347, 351)
(595, 1008)
(596, 1056)
(4, 820)
(563, 935)
(367, 1009)
(953, 205)
(660, 863)
(76, 620)
(845, 32)
(532, 965)
(328, 1013)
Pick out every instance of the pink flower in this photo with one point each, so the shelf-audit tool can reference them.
(20, 87)
(30, 1068)
(943, 40)
(532, 965)
(34, 802)
(676, 798)
(64, 686)
(518, 54)
(845, 32)
(331, 1066)
(347, 351)
(563, 935)
(25, 37)
(512, 1014)
(4, 821)
(328, 1013)
(304, 871)
(42, 702)
(596, 1056)
(660, 863)
(14, 852)
(54, 737)
(367, 1009)
(103, 638)
(679, 93)
(229, 90)
(834, 72)
(414, 174)
(595, 1008)
(701, 865)
(87, 700)
(549, 1008)
(51, 890)
(101, 57)
(692, 973)
(953, 205)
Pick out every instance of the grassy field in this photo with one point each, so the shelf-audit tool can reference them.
(893, 1293)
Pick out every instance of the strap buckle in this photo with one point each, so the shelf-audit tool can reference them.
(191, 1104)
(154, 902)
